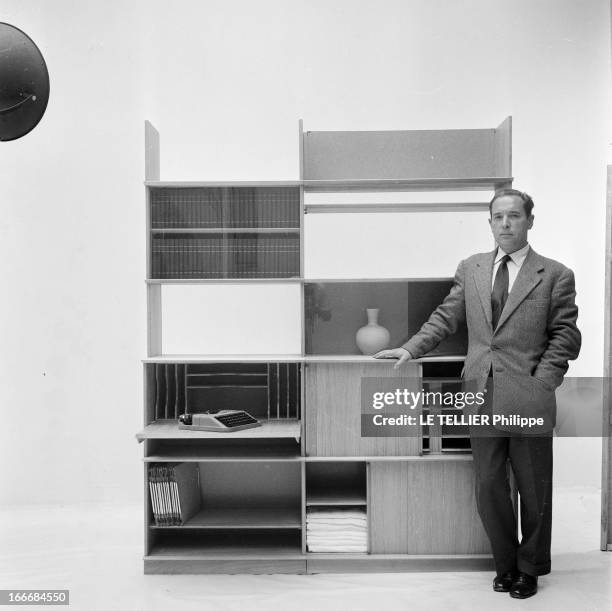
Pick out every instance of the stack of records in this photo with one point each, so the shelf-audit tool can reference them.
(337, 530)
(175, 492)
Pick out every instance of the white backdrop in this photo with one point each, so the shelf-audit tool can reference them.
(225, 84)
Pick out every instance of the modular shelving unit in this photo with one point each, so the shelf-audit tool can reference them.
(257, 486)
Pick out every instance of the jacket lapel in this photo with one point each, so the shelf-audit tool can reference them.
(527, 279)
(482, 278)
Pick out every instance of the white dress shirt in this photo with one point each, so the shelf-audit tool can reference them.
(517, 258)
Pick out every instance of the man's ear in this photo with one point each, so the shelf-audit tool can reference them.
(530, 221)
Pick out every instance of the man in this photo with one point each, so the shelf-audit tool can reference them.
(521, 317)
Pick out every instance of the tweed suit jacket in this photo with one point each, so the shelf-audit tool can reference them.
(536, 336)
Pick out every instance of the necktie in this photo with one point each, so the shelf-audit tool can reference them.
(500, 290)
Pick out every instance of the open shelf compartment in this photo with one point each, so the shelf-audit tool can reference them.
(444, 376)
(335, 310)
(336, 483)
(228, 448)
(254, 544)
(222, 232)
(226, 495)
(269, 391)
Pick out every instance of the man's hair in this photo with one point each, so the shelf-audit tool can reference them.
(524, 197)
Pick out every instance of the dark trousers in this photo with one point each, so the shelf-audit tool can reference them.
(531, 461)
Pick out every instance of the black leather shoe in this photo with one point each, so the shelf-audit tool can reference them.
(524, 586)
(503, 582)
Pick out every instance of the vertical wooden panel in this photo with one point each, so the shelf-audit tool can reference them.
(149, 394)
(333, 416)
(153, 292)
(369, 504)
(154, 320)
(606, 471)
(151, 152)
(303, 504)
(301, 148)
(148, 511)
(503, 148)
(435, 430)
(273, 484)
(412, 154)
(148, 236)
(388, 499)
(425, 508)
(302, 305)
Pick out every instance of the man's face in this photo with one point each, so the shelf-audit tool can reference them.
(509, 223)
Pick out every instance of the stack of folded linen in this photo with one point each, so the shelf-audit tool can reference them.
(336, 530)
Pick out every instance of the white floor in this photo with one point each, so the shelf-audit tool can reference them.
(96, 553)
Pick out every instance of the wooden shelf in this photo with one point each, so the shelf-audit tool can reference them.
(227, 455)
(234, 543)
(481, 183)
(395, 207)
(335, 498)
(207, 230)
(271, 429)
(247, 456)
(418, 458)
(181, 550)
(242, 518)
(190, 184)
(374, 280)
(486, 183)
(285, 280)
(288, 279)
(225, 358)
(289, 358)
(362, 358)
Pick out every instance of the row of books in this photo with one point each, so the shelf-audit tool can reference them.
(175, 492)
(199, 257)
(337, 529)
(187, 207)
(194, 208)
(267, 213)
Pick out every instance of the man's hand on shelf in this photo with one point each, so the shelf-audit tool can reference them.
(400, 354)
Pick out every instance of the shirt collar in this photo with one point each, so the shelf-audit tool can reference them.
(518, 256)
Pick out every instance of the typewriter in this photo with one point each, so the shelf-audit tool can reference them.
(223, 421)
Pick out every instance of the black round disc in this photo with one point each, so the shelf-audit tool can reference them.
(24, 83)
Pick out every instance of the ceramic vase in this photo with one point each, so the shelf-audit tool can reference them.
(372, 337)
